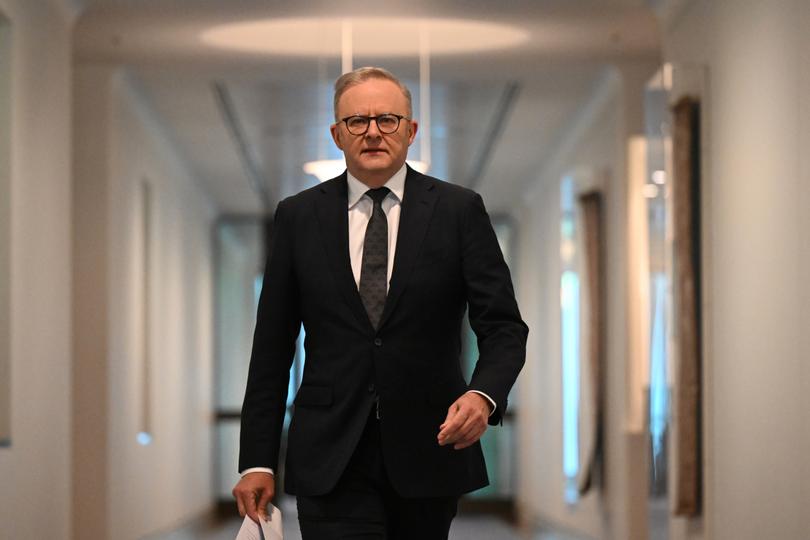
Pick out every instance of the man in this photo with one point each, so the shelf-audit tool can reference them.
(379, 264)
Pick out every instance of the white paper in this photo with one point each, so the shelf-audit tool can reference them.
(270, 527)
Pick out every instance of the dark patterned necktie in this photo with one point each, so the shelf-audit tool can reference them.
(374, 268)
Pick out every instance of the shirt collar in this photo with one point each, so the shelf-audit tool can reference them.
(396, 184)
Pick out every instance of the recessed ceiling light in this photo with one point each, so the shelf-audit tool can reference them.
(371, 36)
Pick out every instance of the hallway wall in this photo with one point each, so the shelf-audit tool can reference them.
(757, 306)
(756, 261)
(541, 489)
(593, 152)
(133, 375)
(35, 469)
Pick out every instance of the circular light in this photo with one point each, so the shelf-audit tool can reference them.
(371, 36)
(659, 177)
(144, 438)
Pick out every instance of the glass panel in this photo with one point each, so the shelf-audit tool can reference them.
(657, 120)
(227, 448)
(5, 234)
(498, 444)
(239, 268)
(657, 127)
(240, 272)
(570, 338)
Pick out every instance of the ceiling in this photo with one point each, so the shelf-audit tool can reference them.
(246, 122)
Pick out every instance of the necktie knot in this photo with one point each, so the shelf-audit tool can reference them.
(378, 194)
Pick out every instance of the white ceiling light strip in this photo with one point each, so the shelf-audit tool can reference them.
(424, 95)
(346, 46)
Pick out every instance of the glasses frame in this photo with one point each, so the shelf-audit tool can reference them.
(368, 119)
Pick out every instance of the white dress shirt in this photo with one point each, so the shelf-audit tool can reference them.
(360, 208)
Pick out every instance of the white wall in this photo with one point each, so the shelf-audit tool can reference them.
(595, 143)
(35, 470)
(757, 305)
(135, 490)
(756, 261)
(541, 484)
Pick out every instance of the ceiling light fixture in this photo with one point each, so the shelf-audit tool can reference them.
(375, 37)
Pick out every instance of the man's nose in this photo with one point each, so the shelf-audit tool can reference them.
(373, 130)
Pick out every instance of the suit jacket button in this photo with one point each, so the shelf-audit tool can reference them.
(377, 342)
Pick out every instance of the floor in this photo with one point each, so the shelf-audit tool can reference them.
(464, 527)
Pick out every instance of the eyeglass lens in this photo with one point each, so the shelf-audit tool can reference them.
(386, 123)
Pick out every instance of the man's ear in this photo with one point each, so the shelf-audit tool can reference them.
(413, 126)
(334, 129)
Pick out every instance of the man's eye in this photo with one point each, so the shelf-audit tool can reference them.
(387, 121)
(357, 122)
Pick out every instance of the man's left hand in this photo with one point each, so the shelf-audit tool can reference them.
(466, 421)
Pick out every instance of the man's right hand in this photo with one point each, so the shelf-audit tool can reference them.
(253, 492)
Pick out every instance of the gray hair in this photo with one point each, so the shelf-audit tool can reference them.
(361, 75)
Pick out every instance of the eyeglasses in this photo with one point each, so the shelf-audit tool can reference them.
(386, 123)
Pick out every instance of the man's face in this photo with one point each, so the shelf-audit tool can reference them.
(374, 156)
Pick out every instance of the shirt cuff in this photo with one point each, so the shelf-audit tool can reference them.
(257, 469)
(491, 401)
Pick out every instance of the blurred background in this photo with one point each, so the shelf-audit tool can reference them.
(644, 163)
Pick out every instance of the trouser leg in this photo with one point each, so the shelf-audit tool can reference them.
(364, 505)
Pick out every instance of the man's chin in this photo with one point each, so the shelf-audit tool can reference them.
(366, 170)
(375, 157)
(375, 162)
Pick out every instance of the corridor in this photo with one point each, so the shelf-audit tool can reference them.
(634, 175)
(465, 527)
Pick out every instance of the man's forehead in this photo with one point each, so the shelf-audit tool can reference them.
(374, 92)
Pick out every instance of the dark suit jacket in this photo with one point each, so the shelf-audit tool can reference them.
(447, 257)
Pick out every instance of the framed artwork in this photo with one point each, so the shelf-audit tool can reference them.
(687, 300)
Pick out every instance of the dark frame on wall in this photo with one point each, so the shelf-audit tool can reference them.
(5, 231)
(688, 296)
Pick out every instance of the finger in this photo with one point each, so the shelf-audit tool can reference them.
(452, 412)
(249, 500)
(264, 500)
(466, 413)
(239, 504)
(254, 515)
(463, 430)
(461, 445)
(469, 438)
(450, 431)
(453, 423)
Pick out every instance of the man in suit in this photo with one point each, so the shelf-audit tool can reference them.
(379, 264)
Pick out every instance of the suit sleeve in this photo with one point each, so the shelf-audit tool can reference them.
(493, 311)
(278, 322)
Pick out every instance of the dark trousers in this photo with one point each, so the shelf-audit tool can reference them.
(364, 505)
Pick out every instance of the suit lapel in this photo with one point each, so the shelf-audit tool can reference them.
(417, 208)
(332, 211)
